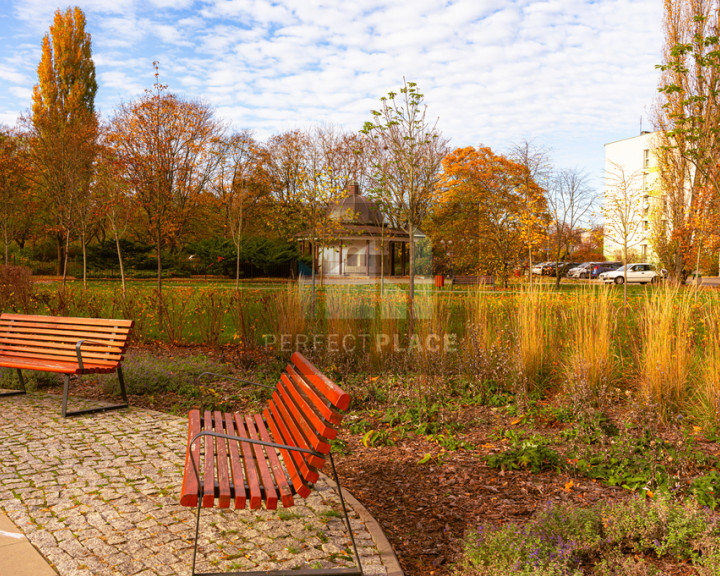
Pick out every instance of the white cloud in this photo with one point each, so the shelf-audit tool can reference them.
(571, 72)
(20, 92)
(12, 75)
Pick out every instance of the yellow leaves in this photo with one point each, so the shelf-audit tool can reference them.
(568, 486)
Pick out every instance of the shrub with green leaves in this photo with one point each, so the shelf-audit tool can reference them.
(531, 454)
(565, 540)
(145, 374)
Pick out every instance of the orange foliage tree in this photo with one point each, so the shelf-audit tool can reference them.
(14, 175)
(64, 124)
(168, 147)
(483, 210)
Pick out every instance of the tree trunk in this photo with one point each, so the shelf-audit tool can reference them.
(65, 259)
(625, 258)
(7, 245)
(159, 265)
(84, 254)
(411, 290)
(120, 261)
(237, 265)
(313, 259)
(382, 260)
(60, 256)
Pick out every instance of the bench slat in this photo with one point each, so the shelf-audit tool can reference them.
(68, 320)
(251, 473)
(297, 438)
(235, 464)
(265, 475)
(64, 330)
(43, 365)
(318, 424)
(293, 466)
(208, 499)
(223, 473)
(67, 355)
(309, 432)
(189, 491)
(112, 349)
(337, 397)
(326, 410)
(35, 339)
(280, 479)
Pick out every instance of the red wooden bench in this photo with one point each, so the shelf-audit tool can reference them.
(66, 346)
(251, 460)
(473, 280)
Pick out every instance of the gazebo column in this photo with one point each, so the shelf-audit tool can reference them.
(367, 257)
(340, 260)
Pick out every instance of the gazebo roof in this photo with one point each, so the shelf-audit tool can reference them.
(356, 209)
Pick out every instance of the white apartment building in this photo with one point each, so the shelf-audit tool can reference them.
(631, 169)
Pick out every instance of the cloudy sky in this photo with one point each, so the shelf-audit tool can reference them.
(568, 75)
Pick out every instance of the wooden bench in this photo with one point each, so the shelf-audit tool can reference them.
(248, 460)
(65, 346)
(473, 280)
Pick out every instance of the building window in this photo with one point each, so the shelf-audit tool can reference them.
(646, 159)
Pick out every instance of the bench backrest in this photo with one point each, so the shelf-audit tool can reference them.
(304, 412)
(54, 339)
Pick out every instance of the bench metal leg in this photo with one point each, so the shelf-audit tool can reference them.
(16, 392)
(357, 571)
(66, 389)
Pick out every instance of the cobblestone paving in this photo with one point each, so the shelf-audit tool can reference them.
(99, 495)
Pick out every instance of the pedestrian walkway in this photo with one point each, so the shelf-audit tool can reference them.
(99, 495)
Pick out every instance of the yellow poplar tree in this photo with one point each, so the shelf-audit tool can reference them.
(64, 124)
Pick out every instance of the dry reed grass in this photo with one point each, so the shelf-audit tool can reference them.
(667, 350)
(589, 363)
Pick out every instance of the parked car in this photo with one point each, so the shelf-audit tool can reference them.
(547, 268)
(636, 273)
(581, 271)
(602, 267)
(537, 268)
(562, 268)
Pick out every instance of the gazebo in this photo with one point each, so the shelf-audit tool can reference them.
(365, 244)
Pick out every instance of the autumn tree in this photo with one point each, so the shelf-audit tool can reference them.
(285, 164)
(570, 200)
(111, 191)
(406, 153)
(534, 215)
(14, 179)
(688, 117)
(64, 124)
(623, 212)
(167, 146)
(241, 184)
(482, 210)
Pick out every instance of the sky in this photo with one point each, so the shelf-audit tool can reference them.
(566, 75)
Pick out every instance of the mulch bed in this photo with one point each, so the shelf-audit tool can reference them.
(425, 509)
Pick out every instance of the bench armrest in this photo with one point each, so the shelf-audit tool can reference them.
(79, 344)
(240, 439)
(236, 379)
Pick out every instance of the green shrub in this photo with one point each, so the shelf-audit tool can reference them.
(146, 374)
(559, 540)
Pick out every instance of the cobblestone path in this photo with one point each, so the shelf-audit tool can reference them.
(99, 495)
